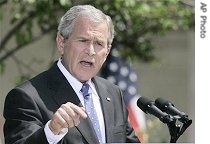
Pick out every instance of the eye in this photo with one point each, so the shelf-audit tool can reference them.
(83, 40)
(99, 43)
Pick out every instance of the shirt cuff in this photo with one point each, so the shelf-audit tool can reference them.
(51, 137)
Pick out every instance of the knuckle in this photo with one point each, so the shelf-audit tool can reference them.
(58, 111)
(63, 106)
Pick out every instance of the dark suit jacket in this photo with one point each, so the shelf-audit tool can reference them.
(30, 106)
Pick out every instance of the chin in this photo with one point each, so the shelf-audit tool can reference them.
(84, 79)
(85, 76)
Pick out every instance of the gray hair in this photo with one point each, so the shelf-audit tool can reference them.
(66, 24)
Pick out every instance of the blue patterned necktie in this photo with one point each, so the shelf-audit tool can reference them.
(91, 110)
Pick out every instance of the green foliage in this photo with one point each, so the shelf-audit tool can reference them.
(136, 22)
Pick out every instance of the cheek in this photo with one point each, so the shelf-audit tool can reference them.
(102, 58)
(70, 51)
(70, 56)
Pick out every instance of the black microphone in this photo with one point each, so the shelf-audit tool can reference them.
(168, 107)
(148, 106)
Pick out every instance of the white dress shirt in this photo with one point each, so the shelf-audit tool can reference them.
(77, 85)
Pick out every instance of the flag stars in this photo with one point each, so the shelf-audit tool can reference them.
(124, 71)
(132, 90)
(115, 53)
(133, 77)
(111, 79)
(122, 85)
(113, 66)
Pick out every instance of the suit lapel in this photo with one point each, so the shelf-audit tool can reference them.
(64, 93)
(86, 129)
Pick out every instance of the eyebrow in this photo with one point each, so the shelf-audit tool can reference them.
(89, 38)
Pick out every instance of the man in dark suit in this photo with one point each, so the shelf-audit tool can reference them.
(50, 108)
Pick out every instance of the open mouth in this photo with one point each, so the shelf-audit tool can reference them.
(86, 63)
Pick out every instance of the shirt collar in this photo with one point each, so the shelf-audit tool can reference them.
(75, 83)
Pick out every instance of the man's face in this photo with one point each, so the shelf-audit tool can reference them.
(86, 49)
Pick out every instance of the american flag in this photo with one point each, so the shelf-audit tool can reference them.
(122, 74)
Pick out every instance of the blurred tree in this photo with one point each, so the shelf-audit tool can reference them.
(136, 21)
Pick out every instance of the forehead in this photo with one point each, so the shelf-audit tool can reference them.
(88, 27)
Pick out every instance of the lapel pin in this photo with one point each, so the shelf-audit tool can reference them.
(108, 99)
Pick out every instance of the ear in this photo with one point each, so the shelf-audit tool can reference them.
(60, 43)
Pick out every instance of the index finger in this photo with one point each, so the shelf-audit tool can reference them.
(79, 110)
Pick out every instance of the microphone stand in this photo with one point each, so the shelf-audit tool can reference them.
(176, 130)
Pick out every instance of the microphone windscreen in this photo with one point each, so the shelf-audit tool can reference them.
(162, 103)
(143, 103)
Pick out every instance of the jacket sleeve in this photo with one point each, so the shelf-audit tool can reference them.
(23, 120)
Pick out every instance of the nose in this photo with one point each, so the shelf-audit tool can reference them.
(91, 50)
